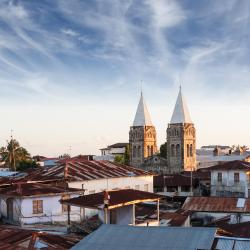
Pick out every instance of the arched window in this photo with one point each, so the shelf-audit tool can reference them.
(152, 150)
(188, 150)
(172, 150)
(148, 148)
(177, 149)
(134, 151)
(191, 150)
(139, 151)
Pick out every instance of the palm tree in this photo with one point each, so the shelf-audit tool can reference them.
(13, 154)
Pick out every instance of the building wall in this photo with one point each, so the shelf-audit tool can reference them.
(99, 185)
(227, 184)
(52, 211)
(142, 144)
(180, 139)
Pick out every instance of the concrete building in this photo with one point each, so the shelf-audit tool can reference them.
(32, 203)
(230, 179)
(142, 136)
(115, 149)
(181, 139)
(117, 206)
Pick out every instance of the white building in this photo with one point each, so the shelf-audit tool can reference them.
(115, 149)
(37, 203)
(95, 176)
(231, 179)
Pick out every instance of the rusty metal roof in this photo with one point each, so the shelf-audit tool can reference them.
(13, 238)
(216, 204)
(35, 189)
(117, 198)
(84, 170)
(231, 165)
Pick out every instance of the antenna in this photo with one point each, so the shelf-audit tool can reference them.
(11, 133)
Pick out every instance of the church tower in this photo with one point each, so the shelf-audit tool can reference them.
(142, 136)
(181, 139)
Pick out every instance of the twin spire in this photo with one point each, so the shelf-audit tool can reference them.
(142, 116)
(180, 115)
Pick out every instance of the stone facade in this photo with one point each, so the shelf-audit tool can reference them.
(142, 141)
(181, 147)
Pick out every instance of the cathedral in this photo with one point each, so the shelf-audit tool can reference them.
(180, 135)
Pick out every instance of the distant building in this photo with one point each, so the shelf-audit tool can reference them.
(115, 149)
(181, 139)
(230, 179)
(142, 136)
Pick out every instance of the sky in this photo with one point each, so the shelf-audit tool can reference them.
(71, 71)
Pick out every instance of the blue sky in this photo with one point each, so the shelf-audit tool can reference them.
(70, 71)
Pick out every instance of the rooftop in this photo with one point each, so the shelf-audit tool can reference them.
(117, 198)
(109, 237)
(232, 165)
(35, 189)
(12, 238)
(217, 204)
(84, 170)
(241, 230)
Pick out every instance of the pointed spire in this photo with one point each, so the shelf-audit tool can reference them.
(181, 113)
(142, 116)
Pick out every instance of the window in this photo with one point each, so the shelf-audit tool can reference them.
(219, 177)
(152, 150)
(146, 187)
(139, 151)
(177, 150)
(148, 147)
(65, 206)
(236, 177)
(134, 151)
(187, 150)
(172, 150)
(91, 191)
(37, 206)
(191, 150)
(137, 187)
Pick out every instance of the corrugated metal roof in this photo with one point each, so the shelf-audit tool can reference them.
(224, 244)
(215, 204)
(85, 170)
(35, 189)
(116, 198)
(114, 237)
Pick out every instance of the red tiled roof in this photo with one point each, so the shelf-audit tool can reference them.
(231, 165)
(117, 198)
(215, 204)
(35, 189)
(85, 170)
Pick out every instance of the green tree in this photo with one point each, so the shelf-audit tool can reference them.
(119, 159)
(163, 150)
(127, 155)
(13, 155)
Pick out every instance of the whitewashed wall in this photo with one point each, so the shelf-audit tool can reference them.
(228, 180)
(52, 211)
(115, 183)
